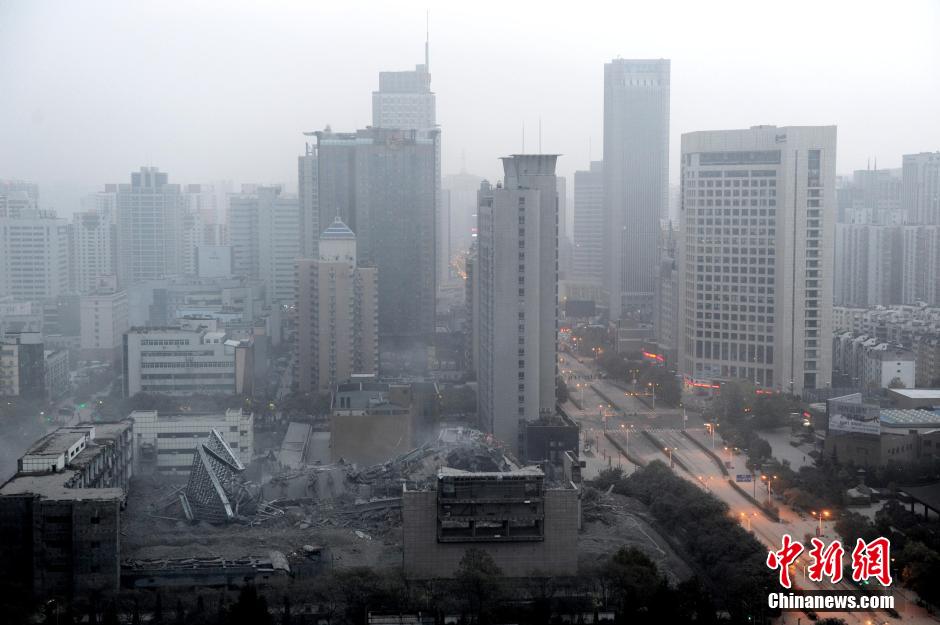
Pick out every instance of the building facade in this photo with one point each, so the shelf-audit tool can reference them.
(636, 179)
(104, 320)
(149, 215)
(758, 214)
(22, 366)
(920, 187)
(34, 254)
(94, 249)
(194, 358)
(589, 224)
(383, 184)
(517, 276)
(337, 313)
(60, 515)
(165, 443)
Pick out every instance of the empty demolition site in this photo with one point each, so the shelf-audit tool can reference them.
(148, 504)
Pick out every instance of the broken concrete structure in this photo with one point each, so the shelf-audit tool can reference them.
(216, 491)
(205, 572)
(529, 529)
(60, 514)
(166, 442)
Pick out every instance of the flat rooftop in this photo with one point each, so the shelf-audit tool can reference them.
(910, 418)
(53, 485)
(530, 471)
(917, 393)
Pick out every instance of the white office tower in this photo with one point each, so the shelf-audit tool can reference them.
(758, 214)
(34, 253)
(920, 187)
(149, 227)
(93, 248)
(517, 284)
(589, 223)
(636, 180)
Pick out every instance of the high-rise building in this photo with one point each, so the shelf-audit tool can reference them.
(517, 291)
(868, 265)
(382, 184)
(103, 322)
(462, 191)
(405, 101)
(307, 195)
(265, 238)
(22, 365)
(666, 307)
(93, 248)
(920, 187)
(17, 196)
(149, 227)
(589, 223)
(636, 179)
(337, 317)
(34, 254)
(758, 214)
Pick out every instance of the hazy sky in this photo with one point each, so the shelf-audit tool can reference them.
(206, 91)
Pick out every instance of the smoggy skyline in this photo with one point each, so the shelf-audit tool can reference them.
(224, 90)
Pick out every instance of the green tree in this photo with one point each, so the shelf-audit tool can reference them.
(479, 581)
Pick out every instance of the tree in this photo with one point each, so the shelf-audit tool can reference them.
(896, 383)
(478, 578)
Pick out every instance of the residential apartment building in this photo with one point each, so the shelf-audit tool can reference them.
(93, 249)
(516, 285)
(337, 313)
(920, 187)
(104, 320)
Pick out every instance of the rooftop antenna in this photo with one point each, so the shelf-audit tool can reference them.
(589, 152)
(427, 40)
(463, 161)
(540, 134)
(523, 137)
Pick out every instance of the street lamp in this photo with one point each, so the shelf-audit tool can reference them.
(669, 451)
(745, 517)
(820, 516)
(711, 429)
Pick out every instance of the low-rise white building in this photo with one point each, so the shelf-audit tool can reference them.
(165, 442)
(194, 358)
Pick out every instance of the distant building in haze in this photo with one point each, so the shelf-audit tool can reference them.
(636, 179)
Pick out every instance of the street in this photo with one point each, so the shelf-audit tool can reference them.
(623, 419)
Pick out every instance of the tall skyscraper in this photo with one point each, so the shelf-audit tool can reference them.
(337, 321)
(149, 227)
(589, 223)
(920, 187)
(34, 254)
(405, 101)
(382, 184)
(636, 179)
(758, 214)
(517, 295)
(94, 249)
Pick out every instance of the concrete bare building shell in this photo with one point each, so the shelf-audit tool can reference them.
(528, 529)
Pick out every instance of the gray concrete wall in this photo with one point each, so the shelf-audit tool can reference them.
(425, 558)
